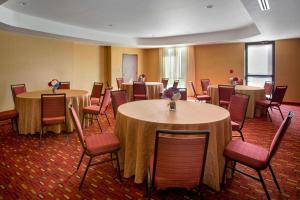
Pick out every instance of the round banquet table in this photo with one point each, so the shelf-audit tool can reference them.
(153, 89)
(255, 93)
(28, 105)
(137, 122)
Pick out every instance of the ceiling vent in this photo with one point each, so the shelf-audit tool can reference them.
(264, 5)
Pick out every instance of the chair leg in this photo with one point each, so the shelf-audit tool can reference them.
(98, 123)
(82, 121)
(263, 184)
(269, 114)
(107, 118)
(85, 172)
(241, 133)
(118, 167)
(148, 185)
(41, 134)
(17, 126)
(80, 160)
(224, 174)
(12, 123)
(274, 178)
(280, 112)
(233, 168)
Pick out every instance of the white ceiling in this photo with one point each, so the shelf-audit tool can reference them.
(148, 23)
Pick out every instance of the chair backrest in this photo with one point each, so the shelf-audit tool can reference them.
(204, 84)
(77, 123)
(119, 82)
(175, 84)
(118, 98)
(179, 158)
(17, 89)
(268, 87)
(183, 93)
(97, 90)
(139, 88)
(225, 92)
(279, 135)
(64, 85)
(106, 99)
(165, 82)
(193, 87)
(278, 94)
(238, 108)
(53, 105)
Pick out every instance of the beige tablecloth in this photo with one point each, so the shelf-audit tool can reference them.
(255, 93)
(29, 107)
(153, 89)
(137, 122)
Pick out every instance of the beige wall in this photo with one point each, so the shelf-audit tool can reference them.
(215, 61)
(287, 70)
(151, 64)
(116, 54)
(36, 60)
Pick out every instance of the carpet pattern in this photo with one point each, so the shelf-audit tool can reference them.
(49, 172)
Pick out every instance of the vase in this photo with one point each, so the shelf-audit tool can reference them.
(172, 105)
(53, 90)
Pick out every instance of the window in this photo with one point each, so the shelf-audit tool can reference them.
(259, 63)
(174, 65)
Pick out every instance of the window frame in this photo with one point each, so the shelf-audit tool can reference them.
(246, 61)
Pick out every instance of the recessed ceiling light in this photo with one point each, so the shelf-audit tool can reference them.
(264, 5)
(23, 3)
(110, 25)
(209, 6)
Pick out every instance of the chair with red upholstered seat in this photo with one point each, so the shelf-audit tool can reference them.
(175, 83)
(238, 108)
(198, 97)
(178, 160)
(12, 115)
(53, 110)
(118, 98)
(275, 102)
(95, 146)
(119, 82)
(253, 156)
(225, 93)
(64, 85)
(204, 85)
(183, 93)
(139, 91)
(268, 89)
(96, 110)
(96, 93)
(17, 89)
(165, 82)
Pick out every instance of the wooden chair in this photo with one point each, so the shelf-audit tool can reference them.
(225, 93)
(178, 160)
(53, 110)
(198, 97)
(119, 82)
(11, 115)
(17, 89)
(64, 85)
(275, 102)
(204, 85)
(253, 156)
(238, 108)
(175, 84)
(139, 91)
(96, 145)
(118, 98)
(95, 110)
(96, 93)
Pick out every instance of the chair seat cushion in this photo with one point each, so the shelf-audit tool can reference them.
(266, 103)
(95, 101)
(102, 143)
(93, 109)
(235, 126)
(53, 120)
(203, 97)
(9, 114)
(247, 154)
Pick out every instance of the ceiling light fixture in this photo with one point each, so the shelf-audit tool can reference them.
(264, 5)
(209, 6)
(23, 3)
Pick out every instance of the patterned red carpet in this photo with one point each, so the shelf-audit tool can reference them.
(49, 172)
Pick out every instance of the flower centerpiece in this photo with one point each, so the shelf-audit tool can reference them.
(233, 79)
(54, 84)
(142, 78)
(173, 94)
